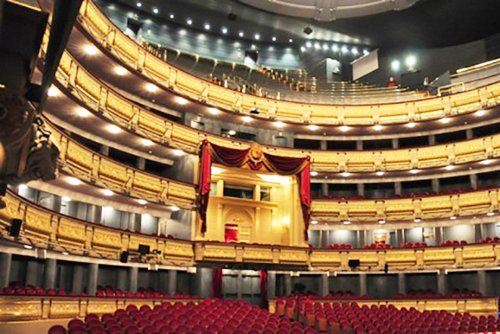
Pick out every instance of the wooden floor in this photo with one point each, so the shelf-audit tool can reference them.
(31, 327)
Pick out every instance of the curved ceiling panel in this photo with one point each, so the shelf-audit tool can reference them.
(329, 10)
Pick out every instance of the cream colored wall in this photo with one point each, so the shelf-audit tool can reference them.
(278, 221)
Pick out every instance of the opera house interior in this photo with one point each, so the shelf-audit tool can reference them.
(249, 166)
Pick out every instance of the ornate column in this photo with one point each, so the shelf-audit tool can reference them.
(133, 278)
(92, 279)
(5, 264)
(50, 273)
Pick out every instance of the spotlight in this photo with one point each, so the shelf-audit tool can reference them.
(395, 65)
(82, 112)
(120, 70)
(90, 49)
(411, 125)
(207, 26)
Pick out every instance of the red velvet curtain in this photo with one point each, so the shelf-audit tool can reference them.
(263, 288)
(204, 184)
(217, 283)
(305, 197)
(255, 160)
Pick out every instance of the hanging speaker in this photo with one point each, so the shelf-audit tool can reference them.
(124, 257)
(3, 189)
(354, 263)
(15, 227)
(308, 30)
(144, 249)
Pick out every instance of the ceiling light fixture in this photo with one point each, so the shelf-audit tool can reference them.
(174, 208)
(151, 88)
(279, 124)
(232, 132)
(178, 153)
(344, 128)
(82, 112)
(257, 36)
(90, 49)
(381, 221)
(346, 174)
(120, 70)
(66, 199)
(23, 187)
(313, 127)
(182, 101)
(411, 125)
(486, 162)
(246, 119)
(214, 111)
(347, 222)
(314, 173)
(241, 34)
(146, 142)
(107, 192)
(480, 113)
(207, 26)
(53, 91)
(155, 10)
(453, 217)
(417, 220)
(189, 21)
(224, 30)
(314, 222)
(172, 16)
(414, 171)
(377, 127)
(113, 129)
(490, 214)
(74, 181)
(142, 201)
(274, 38)
(290, 40)
(445, 120)
(380, 173)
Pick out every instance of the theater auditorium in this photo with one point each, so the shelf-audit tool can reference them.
(249, 166)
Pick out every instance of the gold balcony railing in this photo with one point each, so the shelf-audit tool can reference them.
(50, 230)
(95, 168)
(135, 56)
(118, 109)
(32, 308)
(444, 206)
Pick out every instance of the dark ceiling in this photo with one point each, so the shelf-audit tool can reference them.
(429, 23)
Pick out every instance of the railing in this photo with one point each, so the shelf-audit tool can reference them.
(50, 230)
(473, 305)
(32, 308)
(398, 209)
(118, 109)
(136, 57)
(95, 168)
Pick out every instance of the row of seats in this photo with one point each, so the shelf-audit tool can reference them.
(16, 289)
(141, 293)
(428, 294)
(356, 197)
(383, 245)
(389, 320)
(212, 316)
